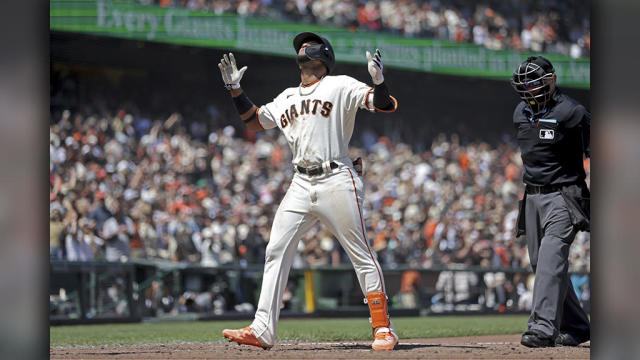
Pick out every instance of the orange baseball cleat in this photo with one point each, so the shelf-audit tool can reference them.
(384, 340)
(243, 336)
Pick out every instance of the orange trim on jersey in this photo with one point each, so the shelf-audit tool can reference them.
(366, 99)
(311, 83)
(364, 234)
(395, 106)
(258, 119)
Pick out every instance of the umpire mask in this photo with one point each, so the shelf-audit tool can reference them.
(534, 82)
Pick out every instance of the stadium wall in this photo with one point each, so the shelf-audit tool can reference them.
(104, 292)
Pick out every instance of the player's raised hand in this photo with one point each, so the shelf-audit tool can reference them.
(374, 64)
(230, 73)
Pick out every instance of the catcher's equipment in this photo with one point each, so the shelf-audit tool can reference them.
(374, 64)
(378, 308)
(533, 81)
(321, 51)
(230, 73)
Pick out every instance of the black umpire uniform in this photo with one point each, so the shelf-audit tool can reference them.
(553, 134)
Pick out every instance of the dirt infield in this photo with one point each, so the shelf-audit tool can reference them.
(474, 347)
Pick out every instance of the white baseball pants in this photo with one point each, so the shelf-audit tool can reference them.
(335, 199)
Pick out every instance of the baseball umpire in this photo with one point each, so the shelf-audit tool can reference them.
(317, 118)
(553, 134)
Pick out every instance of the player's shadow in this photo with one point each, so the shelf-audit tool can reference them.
(352, 347)
(405, 346)
(330, 347)
(419, 346)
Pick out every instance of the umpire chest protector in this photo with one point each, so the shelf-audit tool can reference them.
(552, 142)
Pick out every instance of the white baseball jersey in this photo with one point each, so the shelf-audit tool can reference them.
(317, 120)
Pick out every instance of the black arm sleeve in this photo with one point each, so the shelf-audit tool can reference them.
(381, 98)
(242, 103)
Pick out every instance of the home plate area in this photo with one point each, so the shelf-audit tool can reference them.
(468, 347)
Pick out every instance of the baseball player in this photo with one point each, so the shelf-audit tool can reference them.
(317, 119)
(553, 134)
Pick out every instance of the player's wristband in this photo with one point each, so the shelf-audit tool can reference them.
(242, 103)
(381, 97)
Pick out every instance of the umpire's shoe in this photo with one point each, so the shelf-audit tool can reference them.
(244, 336)
(566, 339)
(536, 339)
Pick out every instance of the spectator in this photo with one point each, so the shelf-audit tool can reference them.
(116, 232)
(521, 26)
(456, 287)
(408, 297)
(56, 229)
(80, 242)
(167, 194)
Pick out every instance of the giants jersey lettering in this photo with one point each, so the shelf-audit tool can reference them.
(318, 120)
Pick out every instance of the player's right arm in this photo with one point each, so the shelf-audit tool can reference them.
(248, 111)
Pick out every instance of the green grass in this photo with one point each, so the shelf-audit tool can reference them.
(301, 329)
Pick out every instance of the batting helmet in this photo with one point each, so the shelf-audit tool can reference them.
(533, 81)
(322, 51)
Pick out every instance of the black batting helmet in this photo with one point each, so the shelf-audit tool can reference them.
(533, 80)
(323, 51)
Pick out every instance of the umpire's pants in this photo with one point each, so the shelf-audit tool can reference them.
(549, 234)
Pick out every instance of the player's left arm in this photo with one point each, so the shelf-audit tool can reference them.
(382, 100)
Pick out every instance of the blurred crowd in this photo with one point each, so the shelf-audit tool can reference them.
(550, 26)
(125, 187)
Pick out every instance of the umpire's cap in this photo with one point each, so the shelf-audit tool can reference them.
(323, 51)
